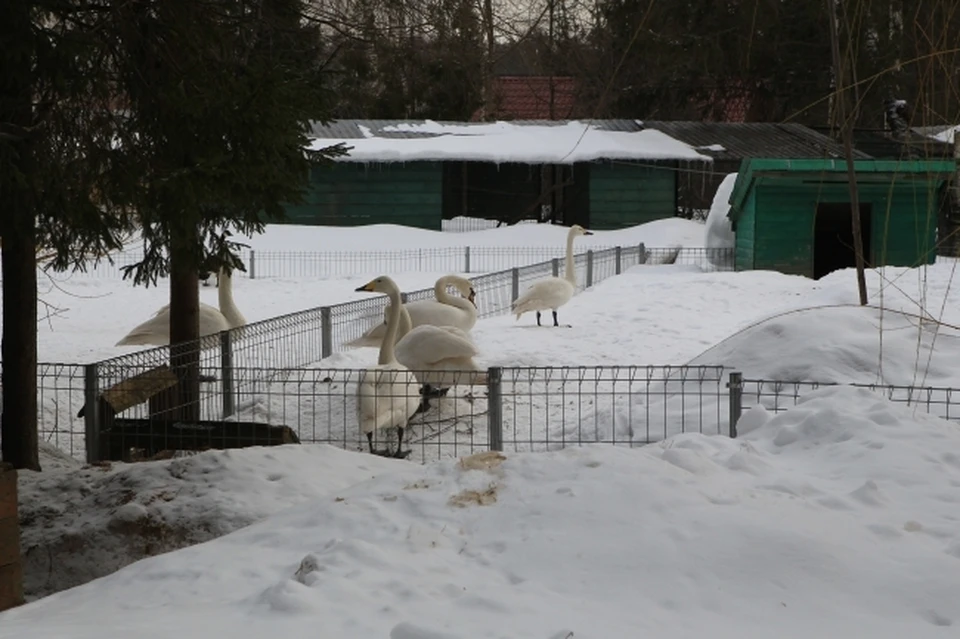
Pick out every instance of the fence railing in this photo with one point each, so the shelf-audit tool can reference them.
(512, 409)
(777, 396)
(460, 259)
(297, 340)
(509, 409)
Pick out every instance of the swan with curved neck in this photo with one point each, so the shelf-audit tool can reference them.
(445, 310)
(552, 292)
(387, 396)
(156, 330)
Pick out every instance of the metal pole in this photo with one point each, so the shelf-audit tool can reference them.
(91, 413)
(252, 266)
(495, 407)
(735, 386)
(466, 259)
(555, 263)
(642, 257)
(589, 268)
(226, 373)
(618, 254)
(326, 333)
(515, 283)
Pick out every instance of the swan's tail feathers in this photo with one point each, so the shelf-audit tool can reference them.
(373, 337)
(144, 338)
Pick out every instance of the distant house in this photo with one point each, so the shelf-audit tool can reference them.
(533, 97)
(603, 174)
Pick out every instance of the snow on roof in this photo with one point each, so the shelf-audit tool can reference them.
(500, 142)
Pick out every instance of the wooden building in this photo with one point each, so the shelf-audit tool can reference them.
(794, 216)
(602, 174)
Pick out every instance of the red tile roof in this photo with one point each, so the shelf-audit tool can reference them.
(528, 98)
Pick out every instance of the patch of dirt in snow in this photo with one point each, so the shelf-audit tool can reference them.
(80, 522)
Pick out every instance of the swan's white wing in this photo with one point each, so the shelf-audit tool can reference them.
(387, 397)
(545, 294)
(427, 346)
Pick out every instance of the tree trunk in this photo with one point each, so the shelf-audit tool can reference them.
(185, 324)
(19, 350)
(18, 425)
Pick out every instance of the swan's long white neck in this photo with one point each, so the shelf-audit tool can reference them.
(571, 274)
(440, 291)
(225, 298)
(387, 355)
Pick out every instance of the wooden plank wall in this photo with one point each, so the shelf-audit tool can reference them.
(625, 194)
(354, 194)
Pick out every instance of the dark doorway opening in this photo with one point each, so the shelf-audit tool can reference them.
(833, 238)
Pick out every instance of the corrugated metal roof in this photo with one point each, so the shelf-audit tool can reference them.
(741, 140)
(354, 129)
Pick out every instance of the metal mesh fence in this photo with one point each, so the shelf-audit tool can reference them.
(514, 409)
(60, 396)
(549, 408)
(777, 396)
(454, 259)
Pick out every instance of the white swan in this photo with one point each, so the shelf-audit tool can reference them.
(439, 356)
(387, 396)
(156, 330)
(445, 310)
(552, 292)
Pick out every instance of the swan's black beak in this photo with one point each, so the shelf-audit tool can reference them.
(472, 297)
(588, 232)
(368, 287)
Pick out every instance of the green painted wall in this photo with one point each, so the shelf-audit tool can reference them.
(746, 233)
(354, 193)
(903, 224)
(624, 194)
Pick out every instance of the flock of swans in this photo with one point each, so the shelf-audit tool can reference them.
(423, 344)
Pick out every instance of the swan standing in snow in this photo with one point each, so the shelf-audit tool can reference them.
(552, 292)
(445, 310)
(436, 354)
(156, 330)
(387, 396)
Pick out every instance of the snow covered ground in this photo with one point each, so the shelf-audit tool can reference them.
(835, 519)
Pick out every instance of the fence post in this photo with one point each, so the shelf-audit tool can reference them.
(326, 332)
(555, 263)
(252, 266)
(617, 254)
(495, 407)
(735, 386)
(403, 298)
(91, 413)
(515, 283)
(589, 268)
(466, 259)
(226, 373)
(642, 257)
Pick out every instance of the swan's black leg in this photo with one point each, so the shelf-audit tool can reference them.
(428, 390)
(370, 441)
(538, 319)
(399, 452)
(555, 322)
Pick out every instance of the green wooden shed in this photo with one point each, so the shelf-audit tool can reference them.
(794, 216)
(602, 174)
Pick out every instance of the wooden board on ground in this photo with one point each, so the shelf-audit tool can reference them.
(153, 436)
